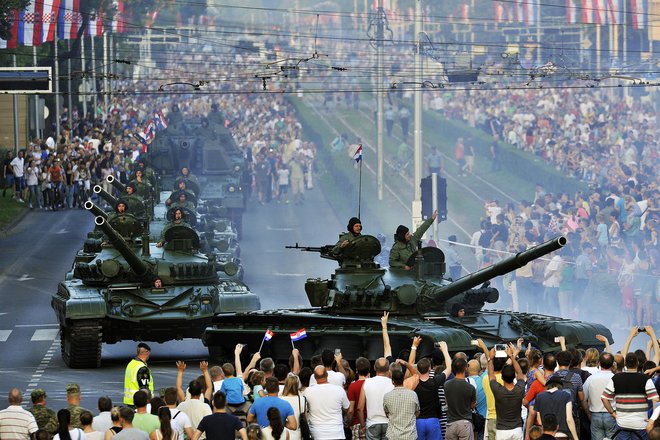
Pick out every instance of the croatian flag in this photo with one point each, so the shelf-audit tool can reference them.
(159, 120)
(30, 24)
(269, 335)
(13, 19)
(357, 156)
(300, 334)
(639, 13)
(51, 8)
(69, 19)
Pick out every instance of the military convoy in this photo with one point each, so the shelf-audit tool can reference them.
(159, 264)
(164, 264)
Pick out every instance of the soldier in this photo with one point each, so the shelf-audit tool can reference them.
(183, 202)
(138, 375)
(134, 202)
(354, 228)
(141, 184)
(73, 399)
(405, 244)
(186, 174)
(46, 418)
(178, 221)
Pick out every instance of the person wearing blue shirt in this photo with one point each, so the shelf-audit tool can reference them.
(232, 386)
(259, 410)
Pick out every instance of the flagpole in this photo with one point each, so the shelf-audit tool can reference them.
(84, 77)
(36, 97)
(292, 344)
(57, 87)
(68, 84)
(262, 344)
(93, 69)
(359, 191)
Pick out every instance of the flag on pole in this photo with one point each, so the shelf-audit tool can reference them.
(12, 17)
(297, 336)
(529, 12)
(269, 335)
(571, 12)
(600, 7)
(615, 11)
(357, 156)
(29, 25)
(587, 12)
(639, 10)
(118, 23)
(69, 19)
(50, 15)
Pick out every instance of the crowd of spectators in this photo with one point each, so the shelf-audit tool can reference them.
(58, 171)
(609, 144)
(508, 391)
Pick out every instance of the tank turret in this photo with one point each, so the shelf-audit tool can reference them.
(360, 284)
(138, 266)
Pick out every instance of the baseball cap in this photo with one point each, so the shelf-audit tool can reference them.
(143, 345)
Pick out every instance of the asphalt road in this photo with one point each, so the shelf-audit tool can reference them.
(39, 250)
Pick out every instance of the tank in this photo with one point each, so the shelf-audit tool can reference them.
(212, 155)
(346, 309)
(111, 293)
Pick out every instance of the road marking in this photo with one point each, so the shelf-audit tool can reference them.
(4, 335)
(63, 231)
(289, 274)
(45, 334)
(25, 277)
(37, 325)
(269, 228)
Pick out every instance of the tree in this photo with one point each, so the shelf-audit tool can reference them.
(6, 8)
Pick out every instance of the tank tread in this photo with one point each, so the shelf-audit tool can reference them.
(81, 344)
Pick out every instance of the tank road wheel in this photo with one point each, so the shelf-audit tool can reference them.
(81, 345)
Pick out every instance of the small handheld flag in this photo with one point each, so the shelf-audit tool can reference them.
(267, 337)
(297, 336)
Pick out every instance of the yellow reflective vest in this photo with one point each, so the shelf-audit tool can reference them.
(137, 377)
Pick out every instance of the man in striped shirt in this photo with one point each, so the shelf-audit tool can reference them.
(15, 422)
(630, 391)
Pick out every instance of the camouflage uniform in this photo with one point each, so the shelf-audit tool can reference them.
(76, 410)
(46, 418)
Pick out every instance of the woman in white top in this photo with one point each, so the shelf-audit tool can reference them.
(86, 419)
(165, 432)
(65, 430)
(291, 394)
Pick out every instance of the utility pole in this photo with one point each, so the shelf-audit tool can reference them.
(417, 200)
(68, 85)
(106, 85)
(57, 88)
(380, 36)
(15, 117)
(93, 69)
(84, 77)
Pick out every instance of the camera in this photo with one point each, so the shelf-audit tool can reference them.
(641, 330)
(337, 351)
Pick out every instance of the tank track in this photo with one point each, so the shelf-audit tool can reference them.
(81, 344)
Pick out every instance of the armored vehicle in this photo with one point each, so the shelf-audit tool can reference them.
(211, 154)
(124, 287)
(347, 309)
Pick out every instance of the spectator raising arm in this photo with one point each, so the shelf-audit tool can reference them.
(387, 348)
(626, 346)
(251, 365)
(208, 394)
(445, 352)
(181, 367)
(605, 341)
(654, 341)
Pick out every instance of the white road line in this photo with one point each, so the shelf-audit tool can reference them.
(45, 334)
(4, 335)
(37, 325)
(289, 274)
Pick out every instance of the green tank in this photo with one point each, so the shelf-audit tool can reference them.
(347, 309)
(112, 293)
(211, 154)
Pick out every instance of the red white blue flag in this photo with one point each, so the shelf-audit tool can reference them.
(269, 335)
(69, 19)
(357, 156)
(159, 120)
(50, 13)
(297, 336)
(30, 24)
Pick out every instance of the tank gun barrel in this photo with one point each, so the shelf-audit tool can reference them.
(112, 200)
(503, 267)
(98, 212)
(116, 183)
(139, 267)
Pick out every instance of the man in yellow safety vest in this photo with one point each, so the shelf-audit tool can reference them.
(138, 375)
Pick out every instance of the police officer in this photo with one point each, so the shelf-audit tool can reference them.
(46, 418)
(73, 399)
(354, 228)
(405, 243)
(138, 375)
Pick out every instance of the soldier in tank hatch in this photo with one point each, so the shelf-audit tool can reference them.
(354, 228)
(405, 243)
